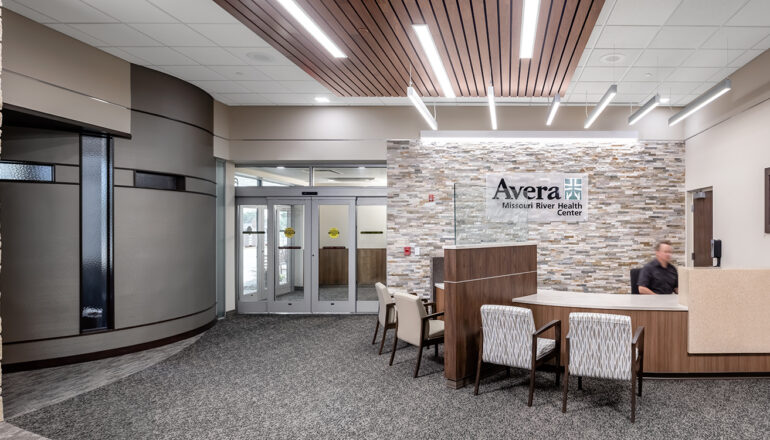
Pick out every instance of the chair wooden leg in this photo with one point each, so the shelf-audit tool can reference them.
(633, 396)
(419, 358)
(580, 382)
(478, 372)
(395, 341)
(435, 350)
(376, 329)
(531, 385)
(566, 387)
(558, 366)
(507, 371)
(384, 334)
(640, 378)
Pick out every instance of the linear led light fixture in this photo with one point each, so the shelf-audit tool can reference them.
(611, 92)
(420, 106)
(492, 111)
(643, 110)
(554, 108)
(529, 14)
(429, 46)
(545, 136)
(701, 101)
(310, 26)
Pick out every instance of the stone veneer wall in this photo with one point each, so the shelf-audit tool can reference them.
(635, 197)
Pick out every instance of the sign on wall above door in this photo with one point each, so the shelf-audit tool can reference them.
(539, 197)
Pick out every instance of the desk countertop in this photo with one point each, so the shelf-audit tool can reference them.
(603, 301)
(440, 285)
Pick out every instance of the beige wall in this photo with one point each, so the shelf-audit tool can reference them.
(728, 151)
(52, 73)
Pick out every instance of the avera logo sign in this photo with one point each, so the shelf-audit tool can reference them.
(573, 188)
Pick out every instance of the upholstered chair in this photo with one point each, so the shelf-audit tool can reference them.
(508, 337)
(415, 326)
(386, 316)
(600, 345)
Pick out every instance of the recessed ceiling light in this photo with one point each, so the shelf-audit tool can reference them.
(322, 99)
(280, 168)
(529, 14)
(612, 58)
(429, 47)
(310, 26)
(648, 75)
(664, 100)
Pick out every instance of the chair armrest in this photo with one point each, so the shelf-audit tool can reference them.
(555, 323)
(433, 316)
(426, 304)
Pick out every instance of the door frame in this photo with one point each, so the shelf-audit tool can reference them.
(245, 304)
(274, 306)
(369, 306)
(348, 306)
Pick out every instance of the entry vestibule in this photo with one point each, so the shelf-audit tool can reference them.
(310, 249)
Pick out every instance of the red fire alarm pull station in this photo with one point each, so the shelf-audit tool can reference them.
(430, 197)
(407, 251)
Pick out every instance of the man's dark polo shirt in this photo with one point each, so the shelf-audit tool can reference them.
(659, 279)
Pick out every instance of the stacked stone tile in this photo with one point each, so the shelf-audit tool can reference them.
(635, 197)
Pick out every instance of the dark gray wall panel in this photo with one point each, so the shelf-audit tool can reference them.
(161, 94)
(37, 145)
(166, 146)
(40, 277)
(201, 186)
(164, 255)
(67, 174)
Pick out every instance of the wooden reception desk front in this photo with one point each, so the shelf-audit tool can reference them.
(726, 331)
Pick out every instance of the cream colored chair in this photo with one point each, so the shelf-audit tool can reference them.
(415, 326)
(508, 337)
(600, 345)
(386, 317)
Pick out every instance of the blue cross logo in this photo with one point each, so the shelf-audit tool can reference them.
(573, 188)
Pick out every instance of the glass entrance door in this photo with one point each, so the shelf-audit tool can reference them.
(334, 255)
(289, 256)
(371, 250)
(253, 271)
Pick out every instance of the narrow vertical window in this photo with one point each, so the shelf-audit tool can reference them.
(95, 233)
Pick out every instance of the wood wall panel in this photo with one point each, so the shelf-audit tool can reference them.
(332, 266)
(478, 43)
(371, 266)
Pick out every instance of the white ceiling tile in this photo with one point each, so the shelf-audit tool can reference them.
(684, 74)
(192, 73)
(627, 57)
(628, 98)
(601, 74)
(721, 74)
(683, 100)
(120, 53)
(116, 34)
(636, 88)
(304, 87)
(260, 56)
(711, 58)
(211, 56)
(764, 44)
(594, 37)
(682, 37)
(745, 58)
(230, 35)
(755, 13)
(240, 73)
(626, 37)
(663, 57)
(27, 12)
(225, 98)
(592, 87)
(68, 11)
(160, 56)
(648, 74)
(678, 88)
(737, 38)
(249, 99)
(288, 73)
(76, 34)
(195, 11)
(269, 86)
(638, 12)
(134, 11)
(291, 98)
(604, 14)
(704, 12)
(173, 34)
(220, 86)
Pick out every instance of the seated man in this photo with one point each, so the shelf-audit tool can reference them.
(659, 276)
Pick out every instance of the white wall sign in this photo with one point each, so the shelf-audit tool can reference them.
(537, 197)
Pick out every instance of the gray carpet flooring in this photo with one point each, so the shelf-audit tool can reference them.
(263, 376)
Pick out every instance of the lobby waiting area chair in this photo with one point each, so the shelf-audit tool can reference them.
(600, 346)
(508, 337)
(415, 326)
(386, 316)
(634, 275)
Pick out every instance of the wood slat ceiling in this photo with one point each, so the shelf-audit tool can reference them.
(478, 41)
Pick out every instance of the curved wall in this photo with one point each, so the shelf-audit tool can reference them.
(163, 240)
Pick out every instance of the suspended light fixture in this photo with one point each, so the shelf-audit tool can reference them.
(643, 110)
(420, 106)
(310, 26)
(529, 14)
(608, 96)
(554, 108)
(701, 101)
(429, 47)
(492, 111)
